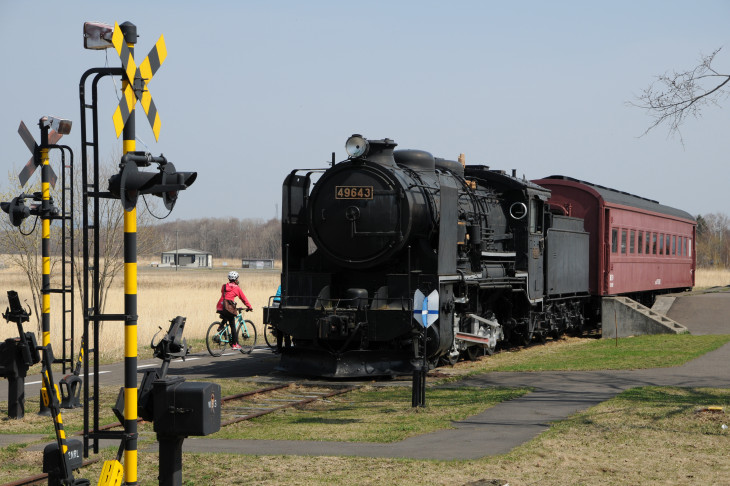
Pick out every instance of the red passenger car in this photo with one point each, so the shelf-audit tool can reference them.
(637, 247)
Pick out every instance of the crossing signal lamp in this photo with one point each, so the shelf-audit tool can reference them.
(16, 209)
(165, 183)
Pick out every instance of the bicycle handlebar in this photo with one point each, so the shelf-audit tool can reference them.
(244, 308)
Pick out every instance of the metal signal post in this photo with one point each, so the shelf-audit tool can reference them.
(45, 251)
(130, 285)
(126, 186)
(47, 212)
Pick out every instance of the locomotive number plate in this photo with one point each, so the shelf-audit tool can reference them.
(353, 192)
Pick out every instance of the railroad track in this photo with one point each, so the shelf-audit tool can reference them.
(245, 406)
(241, 407)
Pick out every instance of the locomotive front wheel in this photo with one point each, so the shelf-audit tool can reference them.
(473, 353)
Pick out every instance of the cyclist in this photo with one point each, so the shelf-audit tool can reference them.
(280, 336)
(230, 291)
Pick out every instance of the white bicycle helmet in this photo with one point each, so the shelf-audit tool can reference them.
(232, 276)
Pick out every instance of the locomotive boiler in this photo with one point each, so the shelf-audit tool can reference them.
(389, 244)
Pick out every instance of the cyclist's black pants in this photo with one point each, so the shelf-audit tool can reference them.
(228, 319)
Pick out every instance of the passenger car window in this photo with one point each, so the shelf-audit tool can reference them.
(640, 244)
(614, 240)
(661, 243)
(653, 243)
(623, 242)
(632, 245)
(674, 244)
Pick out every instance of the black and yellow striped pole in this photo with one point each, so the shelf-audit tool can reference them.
(52, 399)
(45, 248)
(129, 31)
(46, 234)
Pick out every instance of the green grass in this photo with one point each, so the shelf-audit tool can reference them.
(631, 353)
(639, 352)
(371, 414)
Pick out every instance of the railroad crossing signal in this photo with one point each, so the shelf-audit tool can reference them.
(166, 183)
(138, 77)
(16, 209)
(58, 129)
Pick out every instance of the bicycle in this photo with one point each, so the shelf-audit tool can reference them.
(270, 335)
(217, 339)
(270, 332)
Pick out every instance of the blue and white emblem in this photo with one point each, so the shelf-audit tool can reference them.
(426, 309)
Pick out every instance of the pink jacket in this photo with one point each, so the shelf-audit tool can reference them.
(230, 291)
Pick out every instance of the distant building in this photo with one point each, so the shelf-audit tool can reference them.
(185, 257)
(257, 263)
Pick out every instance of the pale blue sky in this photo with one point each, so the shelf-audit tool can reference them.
(251, 90)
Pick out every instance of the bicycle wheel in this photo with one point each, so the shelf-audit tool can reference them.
(216, 341)
(247, 337)
(270, 336)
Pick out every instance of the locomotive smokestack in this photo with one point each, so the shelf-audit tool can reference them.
(514, 172)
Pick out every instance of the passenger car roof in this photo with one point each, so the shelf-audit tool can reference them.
(625, 199)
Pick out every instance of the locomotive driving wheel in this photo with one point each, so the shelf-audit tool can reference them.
(449, 359)
(522, 337)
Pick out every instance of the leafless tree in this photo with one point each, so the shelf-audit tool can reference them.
(676, 95)
(111, 232)
(713, 241)
(223, 237)
(22, 245)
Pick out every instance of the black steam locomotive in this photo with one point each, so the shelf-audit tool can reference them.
(390, 244)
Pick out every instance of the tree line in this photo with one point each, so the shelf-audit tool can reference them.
(222, 237)
(713, 241)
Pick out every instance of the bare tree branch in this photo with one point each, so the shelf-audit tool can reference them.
(675, 96)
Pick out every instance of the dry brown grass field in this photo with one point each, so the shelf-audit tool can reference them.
(164, 293)
(712, 277)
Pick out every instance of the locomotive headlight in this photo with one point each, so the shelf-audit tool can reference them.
(356, 146)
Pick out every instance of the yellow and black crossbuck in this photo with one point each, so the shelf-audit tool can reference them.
(137, 79)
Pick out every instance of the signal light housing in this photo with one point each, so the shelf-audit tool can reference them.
(16, 209)
(130, 183)
(172, 183)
